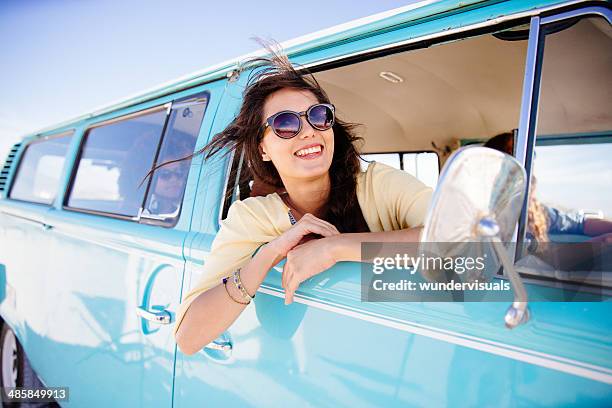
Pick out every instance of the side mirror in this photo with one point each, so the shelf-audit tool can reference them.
(475, 209)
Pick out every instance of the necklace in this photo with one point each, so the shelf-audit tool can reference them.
(292, 207)
(291, 217)
(285, 197)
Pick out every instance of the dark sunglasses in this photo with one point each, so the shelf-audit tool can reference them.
(166, 174)
(287, 124)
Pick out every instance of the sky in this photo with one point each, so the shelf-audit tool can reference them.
(60, 59)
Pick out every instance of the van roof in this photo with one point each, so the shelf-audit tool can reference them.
(384, 21)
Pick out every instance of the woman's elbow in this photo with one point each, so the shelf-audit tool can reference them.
(185, 346)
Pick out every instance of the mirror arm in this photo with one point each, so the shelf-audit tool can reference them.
(518, 312)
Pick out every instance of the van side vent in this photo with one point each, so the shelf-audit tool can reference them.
(7, 166)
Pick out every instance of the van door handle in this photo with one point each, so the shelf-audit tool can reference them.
(159, 317)
(219, 345)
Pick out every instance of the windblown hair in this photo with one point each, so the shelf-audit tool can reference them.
(245, 132)
(537, 219)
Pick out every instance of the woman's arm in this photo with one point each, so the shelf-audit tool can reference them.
(596, 226)
(212, 312)
(313, 257)
(347, 247)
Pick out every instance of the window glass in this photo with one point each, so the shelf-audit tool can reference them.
(169, 181)
(114, 160)
(38, 176)
(423, 165)
(584, 185)
(570, 195)
(390, 159)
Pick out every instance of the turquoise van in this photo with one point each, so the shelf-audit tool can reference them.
(94, 259)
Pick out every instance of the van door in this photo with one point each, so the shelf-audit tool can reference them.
(114, 275)
(202, 379)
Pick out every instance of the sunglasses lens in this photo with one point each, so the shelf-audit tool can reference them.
(166, 174)
(321, 117)
(286, 125)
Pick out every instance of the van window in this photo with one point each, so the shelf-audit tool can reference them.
(422, 165)
(40, 168)
(114, 159)
(437, 96)
(169, 181)
(390, 159)
(571, 199)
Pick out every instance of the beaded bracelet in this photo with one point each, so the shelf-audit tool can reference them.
(230, 295)
(241, 287)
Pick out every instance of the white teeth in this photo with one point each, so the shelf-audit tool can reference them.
(310, 150)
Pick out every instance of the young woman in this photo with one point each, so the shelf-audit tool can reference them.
(294, 143)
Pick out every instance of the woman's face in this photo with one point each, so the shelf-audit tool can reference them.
(171, 179)
(284, 152)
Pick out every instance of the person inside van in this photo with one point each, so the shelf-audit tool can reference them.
(170, 180)
(545, 222)
(293, 140)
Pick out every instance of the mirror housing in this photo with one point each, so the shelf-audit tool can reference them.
(475, 208)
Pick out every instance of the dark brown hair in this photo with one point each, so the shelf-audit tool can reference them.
(245, 132)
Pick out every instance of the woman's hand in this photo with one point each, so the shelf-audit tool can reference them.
(308, 224)
(305, 261)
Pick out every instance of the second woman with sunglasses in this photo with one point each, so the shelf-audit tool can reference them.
(294, 143)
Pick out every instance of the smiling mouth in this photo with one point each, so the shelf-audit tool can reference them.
(310, 152)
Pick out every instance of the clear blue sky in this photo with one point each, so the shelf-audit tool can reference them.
(62, 58)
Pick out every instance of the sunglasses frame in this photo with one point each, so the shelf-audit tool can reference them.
(177, 174)
(305, 113)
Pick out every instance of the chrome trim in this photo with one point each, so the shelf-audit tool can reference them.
(518, 312)
(132, 115)
(597, 10)
(36, 222)
(528, 119)
(144, 213)
(221, 346)
(197, 101)
(159, 317)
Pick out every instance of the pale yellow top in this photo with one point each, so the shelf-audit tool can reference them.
(390, 199)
